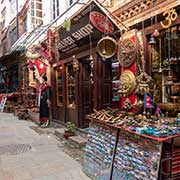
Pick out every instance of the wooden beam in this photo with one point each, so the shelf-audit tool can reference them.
(150, 29)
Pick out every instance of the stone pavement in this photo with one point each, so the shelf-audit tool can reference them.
(27, 155)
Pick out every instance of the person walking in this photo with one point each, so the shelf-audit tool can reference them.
(44, 101)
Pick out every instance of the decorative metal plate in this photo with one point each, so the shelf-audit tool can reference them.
(127, 83)
(14, 149)
(127, 52)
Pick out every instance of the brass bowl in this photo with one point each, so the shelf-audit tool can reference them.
(175, 99)
(171, 108)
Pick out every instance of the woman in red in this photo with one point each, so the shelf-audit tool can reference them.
(44, 102)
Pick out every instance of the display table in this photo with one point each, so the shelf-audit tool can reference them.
(7, 101)
(117, 153)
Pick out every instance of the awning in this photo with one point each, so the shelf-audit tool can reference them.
(79, 15)
(26, 38)
(88, 25)
(19, 44)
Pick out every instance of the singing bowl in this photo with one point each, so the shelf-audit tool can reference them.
(172, 108)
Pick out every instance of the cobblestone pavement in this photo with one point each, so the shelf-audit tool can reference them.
(26, 154)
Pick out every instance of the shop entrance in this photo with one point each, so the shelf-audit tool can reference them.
(85, 91)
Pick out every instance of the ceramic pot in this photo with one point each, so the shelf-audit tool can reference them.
(68, 134)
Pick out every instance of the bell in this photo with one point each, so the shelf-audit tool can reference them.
(104, 51)
(123, 51)
(90, 57)
(152, 41)
(156, 33)
(160, 70)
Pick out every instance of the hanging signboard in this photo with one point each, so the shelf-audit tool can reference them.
(89, 25)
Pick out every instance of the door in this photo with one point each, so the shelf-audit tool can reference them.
(85, 92)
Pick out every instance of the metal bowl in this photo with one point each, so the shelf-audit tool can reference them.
(175, 99)
(171, 108)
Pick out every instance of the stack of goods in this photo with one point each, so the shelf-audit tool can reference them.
(166, 160)
(136, 158)
(99, 151)
(138, 123)
(106, 115)
(162, 128)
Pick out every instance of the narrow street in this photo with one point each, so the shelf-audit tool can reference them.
(27, 155)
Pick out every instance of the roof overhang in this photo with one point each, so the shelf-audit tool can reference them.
(79, 13)
(88, 24)
(22, 43)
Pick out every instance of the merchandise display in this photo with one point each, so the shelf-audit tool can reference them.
(99, 151)
(115, 84)
(137, 158)
(161, 127)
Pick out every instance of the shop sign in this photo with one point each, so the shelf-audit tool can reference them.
(170, 15)
(91, 24)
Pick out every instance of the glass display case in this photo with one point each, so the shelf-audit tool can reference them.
(59, 86)
(115, 84)
(70, 85)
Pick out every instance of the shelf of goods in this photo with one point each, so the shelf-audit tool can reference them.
(115, 84)
(115, 152)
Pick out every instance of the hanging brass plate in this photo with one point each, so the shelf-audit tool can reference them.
(127, 52)
(128, 83)
(107, 47)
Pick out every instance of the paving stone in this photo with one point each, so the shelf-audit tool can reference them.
(77, 141)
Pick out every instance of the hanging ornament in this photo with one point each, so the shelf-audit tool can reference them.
(67, 24)
(143, 83)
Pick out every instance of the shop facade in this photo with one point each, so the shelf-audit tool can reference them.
(140, 140)
(82, 79)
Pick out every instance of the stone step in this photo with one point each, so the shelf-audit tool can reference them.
(59, 132)
(77, 141)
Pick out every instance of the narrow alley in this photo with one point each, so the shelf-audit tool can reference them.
(27, 155)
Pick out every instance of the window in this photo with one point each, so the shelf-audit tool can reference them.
(4, 45)
(71, 2)
(70, 85)
(13, 36)
(55, 8)
(3, 14)
(12, 8)
(36, 13)
(39, 13)
(25, 24)
(59, 86)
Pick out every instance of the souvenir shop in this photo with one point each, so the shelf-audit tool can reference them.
(83, 78)
(139, 140)
(9, 81)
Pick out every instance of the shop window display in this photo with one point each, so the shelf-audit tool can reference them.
(70, 82)
(115, 84)
(166, 70)
(59, 86)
